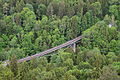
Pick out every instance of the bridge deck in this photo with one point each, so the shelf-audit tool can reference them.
(51, 50)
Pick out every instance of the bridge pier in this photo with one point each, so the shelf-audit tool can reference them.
(74, 47)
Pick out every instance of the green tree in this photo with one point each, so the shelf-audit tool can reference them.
(111, 57)
(68, 77)
(50, 10)
(2, 27)
(108, 74)
(19, 5)
(23, 71)
(28, 18)
(116, 66)
(27, 44)
(60, 71)
(96, 8)
(6, 9)
(13, 65)
(41, 10)
(30, 7)
(70, 11)
(6, 73)
(61, 11)
(73, 30)
(114, 11)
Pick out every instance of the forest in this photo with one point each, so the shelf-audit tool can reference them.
(28, 27)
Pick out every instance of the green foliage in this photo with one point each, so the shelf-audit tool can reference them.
(111, 57)
(96, 8)
(116, 66)
(108, 71)
(19, 5)
(13, 65)
(28, 27)
(101, 36)
(114, 10)
(41, 10)
(30, 7)
(6, 73)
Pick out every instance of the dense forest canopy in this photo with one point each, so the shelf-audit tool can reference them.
(31, 26)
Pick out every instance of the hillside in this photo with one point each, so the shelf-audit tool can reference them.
(28, 27)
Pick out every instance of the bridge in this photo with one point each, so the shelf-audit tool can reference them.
(73, 41)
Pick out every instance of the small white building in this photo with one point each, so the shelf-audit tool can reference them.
(110, 25)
